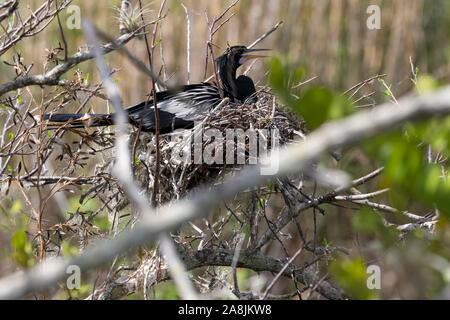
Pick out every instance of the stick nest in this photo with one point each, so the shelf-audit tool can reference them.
(177, 177)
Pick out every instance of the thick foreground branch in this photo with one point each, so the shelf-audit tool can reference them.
(330, 136)
(258, 262)
(193, 259)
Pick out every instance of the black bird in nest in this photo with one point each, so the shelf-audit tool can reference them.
(179, 108)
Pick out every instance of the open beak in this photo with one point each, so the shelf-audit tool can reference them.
(248, 55)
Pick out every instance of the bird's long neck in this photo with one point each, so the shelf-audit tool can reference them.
(228, 78)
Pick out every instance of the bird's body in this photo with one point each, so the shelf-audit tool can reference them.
(179, 108)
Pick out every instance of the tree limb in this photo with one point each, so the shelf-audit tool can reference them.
(52, 77)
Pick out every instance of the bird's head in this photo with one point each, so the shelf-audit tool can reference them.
(236, 56)
(242, 87)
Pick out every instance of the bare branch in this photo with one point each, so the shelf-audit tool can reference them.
(11, 7)
(35, 23)
(265, 35)
(281, 272)
(188, 49)
(52, 77)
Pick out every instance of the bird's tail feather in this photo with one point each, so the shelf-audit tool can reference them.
(79, 120)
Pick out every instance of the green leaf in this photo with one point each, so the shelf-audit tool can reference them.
(426, 83)
(19, 240)
(340, 107)
(314, 106)
(351, 275)
(16, 207)
(68, 250)
(282, 76)
(167, 291)
(407, 172)
(89, 205)
(369, 222)
(277, 74)
(326, 243)
(102, 222)
(23, 254)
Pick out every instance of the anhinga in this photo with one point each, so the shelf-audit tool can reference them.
(180, 108)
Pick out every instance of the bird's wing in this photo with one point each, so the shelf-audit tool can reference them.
(192, 102)
(177, 109)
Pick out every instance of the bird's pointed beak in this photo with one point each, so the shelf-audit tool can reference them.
(248, 54)
(256, 50)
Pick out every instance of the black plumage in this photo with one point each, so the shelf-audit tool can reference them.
(179, 108)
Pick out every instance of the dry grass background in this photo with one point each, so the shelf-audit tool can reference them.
(329, 38)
